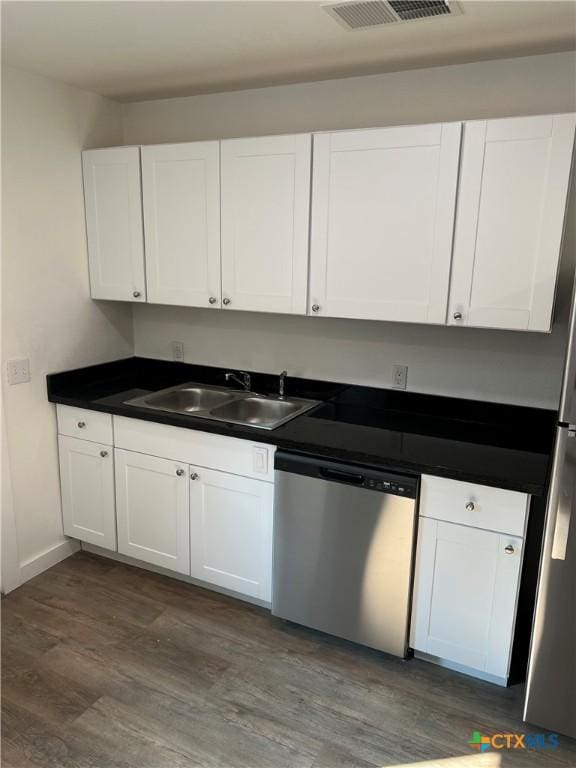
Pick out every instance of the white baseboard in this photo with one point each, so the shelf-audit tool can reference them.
(503, 681)
(39, 563)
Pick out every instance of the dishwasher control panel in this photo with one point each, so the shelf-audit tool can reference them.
(402, 488)
(369, 478)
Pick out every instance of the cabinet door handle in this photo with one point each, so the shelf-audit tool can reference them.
(470, 507)
(194, 476)
(212, 300)
(81, 424)
(136, 294)
(179, 472)
(315, 307)
(103, 454)
(509, 549)
(457, 315)
(226, 302)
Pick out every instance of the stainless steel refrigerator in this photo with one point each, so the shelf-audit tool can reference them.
(551, 686)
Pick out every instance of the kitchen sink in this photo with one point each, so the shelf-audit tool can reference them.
(258, 411)
(187, 399)
(221, 404)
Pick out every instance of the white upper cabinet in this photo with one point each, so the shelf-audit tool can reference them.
(265, 221)
(181, 202)
(404, 224)
(511, 206)
(114, 223)
(382, 222)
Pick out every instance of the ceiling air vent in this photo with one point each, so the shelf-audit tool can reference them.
(362, 14)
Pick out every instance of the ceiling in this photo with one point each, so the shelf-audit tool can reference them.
(135, 50)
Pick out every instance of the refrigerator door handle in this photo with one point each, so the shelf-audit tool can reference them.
(567, 409)
(562, 491)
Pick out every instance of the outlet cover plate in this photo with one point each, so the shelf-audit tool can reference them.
(19, 371)
(178, 351)
(399, 376)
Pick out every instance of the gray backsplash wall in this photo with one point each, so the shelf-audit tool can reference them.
(503, 366)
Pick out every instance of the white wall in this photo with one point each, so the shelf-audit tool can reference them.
(47, 313)
(523, 86)
(508, 367)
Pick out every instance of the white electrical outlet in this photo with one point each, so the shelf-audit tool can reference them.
(178, 351)
(399, 376)
(18, 371)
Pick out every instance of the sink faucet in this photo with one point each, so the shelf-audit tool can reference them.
(245, 382)
(281, 384)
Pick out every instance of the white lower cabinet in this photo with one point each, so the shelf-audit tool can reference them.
(150, 497)
(152, 503)
(87, 486)
(466, 586)
(231, 532)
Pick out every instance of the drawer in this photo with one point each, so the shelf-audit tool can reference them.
(479, 506)
(87, 425)
(202, 449)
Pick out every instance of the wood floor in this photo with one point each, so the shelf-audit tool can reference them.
(108, 666)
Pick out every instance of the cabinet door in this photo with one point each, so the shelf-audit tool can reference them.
(152, 503)
(181, 201)
(382, 222)
(465, 594)
(114, 223)
(87, 485)
(265, 216)
(231, 532)
(510, 219)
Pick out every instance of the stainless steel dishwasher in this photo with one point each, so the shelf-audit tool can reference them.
(343, 549)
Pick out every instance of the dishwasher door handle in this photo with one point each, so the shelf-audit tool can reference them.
(342, 477)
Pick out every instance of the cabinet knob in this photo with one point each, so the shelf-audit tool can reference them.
(136, 294)
(81, 424)
(457, 315)
(226, 302)
(315, 307)
(470, 507)
(212, 300)
(103, 454)
(179, 472)
(194, 476)
(509, 549)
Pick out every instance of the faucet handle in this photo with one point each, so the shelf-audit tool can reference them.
(245, 381)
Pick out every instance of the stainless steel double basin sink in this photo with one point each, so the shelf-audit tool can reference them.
(221, 404)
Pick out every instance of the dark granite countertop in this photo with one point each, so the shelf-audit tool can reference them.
(500, 445)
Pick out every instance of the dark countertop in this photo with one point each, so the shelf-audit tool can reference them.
(500, 445)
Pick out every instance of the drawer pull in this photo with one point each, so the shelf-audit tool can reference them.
(470, 507)
(194, 476)
(179, 472)
(103, 454)
(81, 424)
(509, 549)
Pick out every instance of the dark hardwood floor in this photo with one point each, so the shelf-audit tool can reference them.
(108, 666)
